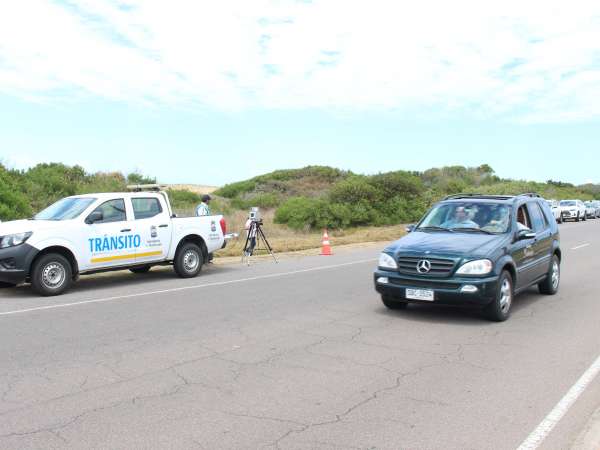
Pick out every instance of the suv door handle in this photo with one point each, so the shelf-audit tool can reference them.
(126, 230)
(164, 225)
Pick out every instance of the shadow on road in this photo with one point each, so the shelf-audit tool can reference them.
(123, 279)
(461, 315)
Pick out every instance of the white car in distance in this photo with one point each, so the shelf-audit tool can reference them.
(556, 212)
(573, 210)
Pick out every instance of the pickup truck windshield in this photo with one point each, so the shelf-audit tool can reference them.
(468, 217)
(65, 209)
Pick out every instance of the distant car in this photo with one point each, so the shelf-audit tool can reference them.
(596, 204)
(573, 210)
(555, 208)
(591, 212)
(478, 250)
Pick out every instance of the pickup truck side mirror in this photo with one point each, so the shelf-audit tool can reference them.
(95, 216)
(410, 228)
(525, 234)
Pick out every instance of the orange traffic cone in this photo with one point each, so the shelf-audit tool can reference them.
(326, 245)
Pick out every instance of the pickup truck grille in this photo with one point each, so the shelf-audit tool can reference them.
(439, 267)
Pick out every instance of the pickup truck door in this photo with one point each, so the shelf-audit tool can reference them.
(109, 240)
(153, 223)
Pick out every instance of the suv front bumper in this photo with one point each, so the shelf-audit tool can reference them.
(15, 263)
(447, 291)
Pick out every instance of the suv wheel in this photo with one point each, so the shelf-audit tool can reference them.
(52, 274)
(499, 309)
(392, 303)
(578, 218)
(188, 260)
(552, 282)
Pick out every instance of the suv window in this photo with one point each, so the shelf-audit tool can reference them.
(523, 217)
(112, 211)
(537, 218)
(145, 208)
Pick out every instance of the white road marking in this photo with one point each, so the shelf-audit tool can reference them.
(184, 288)
(581, 246)
(553, 418)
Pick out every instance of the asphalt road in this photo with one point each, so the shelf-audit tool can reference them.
(296, 355)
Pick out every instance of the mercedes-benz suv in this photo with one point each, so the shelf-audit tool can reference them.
(472, 249)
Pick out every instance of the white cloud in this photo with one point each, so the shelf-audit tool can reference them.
(528, 61)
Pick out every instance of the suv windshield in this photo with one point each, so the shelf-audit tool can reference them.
(567, 203)
(468, 217)
(65, 209)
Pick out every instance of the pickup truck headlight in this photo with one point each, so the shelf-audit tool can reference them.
(12, 240)
(478, 267)
(387, 262)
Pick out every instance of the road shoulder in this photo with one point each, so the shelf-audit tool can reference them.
(589, 438)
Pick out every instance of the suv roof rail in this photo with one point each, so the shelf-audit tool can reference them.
(146, 187)
(531, 194)
(483, 196)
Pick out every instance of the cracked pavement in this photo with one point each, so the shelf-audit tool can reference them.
(305, 360)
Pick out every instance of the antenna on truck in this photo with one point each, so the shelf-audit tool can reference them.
(146, 187)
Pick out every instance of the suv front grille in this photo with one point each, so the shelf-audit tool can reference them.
(439, 267)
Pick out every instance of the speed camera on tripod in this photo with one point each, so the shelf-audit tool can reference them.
(255, 214)
(256, 241)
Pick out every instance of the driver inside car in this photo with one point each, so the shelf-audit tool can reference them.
(460, 219)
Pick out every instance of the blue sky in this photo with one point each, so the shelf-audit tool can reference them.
(194, 92)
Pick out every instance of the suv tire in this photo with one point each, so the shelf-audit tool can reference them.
(188, 260)
(578, 218)
(552, 282)
(52, 274)
(393, 303)
(140, 270)
(499, 309)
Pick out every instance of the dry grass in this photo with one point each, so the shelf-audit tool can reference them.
(195, 188)
(284, 239)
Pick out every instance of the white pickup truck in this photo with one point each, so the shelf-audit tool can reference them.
(93, 233)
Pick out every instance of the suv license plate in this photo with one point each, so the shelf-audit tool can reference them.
(420, 294)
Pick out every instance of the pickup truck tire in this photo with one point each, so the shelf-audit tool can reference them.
(52, 274)
(140, 270)
(550, 285)
(499, 309)
(392, 303)
(188, 260)
(4, 285)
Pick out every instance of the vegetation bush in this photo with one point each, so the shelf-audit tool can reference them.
(311, 197)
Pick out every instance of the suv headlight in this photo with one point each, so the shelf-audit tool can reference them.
(11, 240)
(387, 262)
(478, 267)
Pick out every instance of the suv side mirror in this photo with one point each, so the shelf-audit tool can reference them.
(95, 216)
(410, 228)
(525, 234)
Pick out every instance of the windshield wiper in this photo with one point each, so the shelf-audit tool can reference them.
(435, 228)
(472, 229)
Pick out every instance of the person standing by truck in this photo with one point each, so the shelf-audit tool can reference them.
(203, 208)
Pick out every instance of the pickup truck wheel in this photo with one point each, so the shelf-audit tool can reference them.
(499, 309)
(4, 285)
(51, 275)
(140, 270)
(188, 260)
(392, 303)
(550, 285)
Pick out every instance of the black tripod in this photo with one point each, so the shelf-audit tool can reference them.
(256, 241)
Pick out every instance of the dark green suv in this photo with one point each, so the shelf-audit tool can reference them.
(476, 250)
